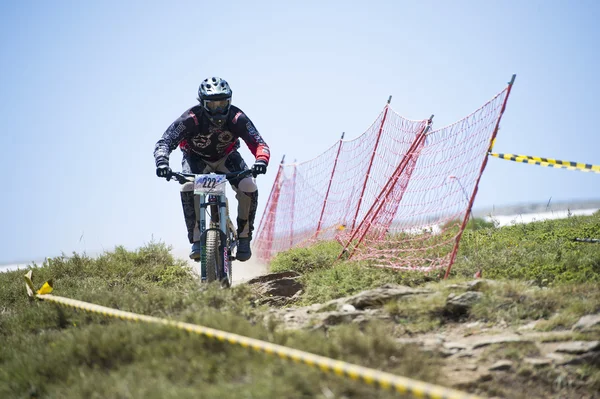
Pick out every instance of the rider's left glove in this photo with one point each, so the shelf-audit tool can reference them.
(259, 168)
(164, 170)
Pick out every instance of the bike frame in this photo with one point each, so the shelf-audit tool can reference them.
(219, 216)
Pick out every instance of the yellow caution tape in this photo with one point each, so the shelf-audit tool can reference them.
(555, 163)
(403, 385)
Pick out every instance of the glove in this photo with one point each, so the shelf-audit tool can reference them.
(259, 168)
(164, 170)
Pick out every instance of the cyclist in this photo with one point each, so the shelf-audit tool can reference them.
(208, 135)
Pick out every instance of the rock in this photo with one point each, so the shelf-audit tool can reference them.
(432, 342)
(347, 308)
(578, 347)
(375, 298)
(501, 365)
(455, 345)
(283, 287)
(587, 322)
(474, 324)
(335, 318)
(459, 286)
(408, 341)
(277, 289)
(448, 352)
(464, 366)
(591, 358)
(466, 380)
(528, 326)
(272, 276)
(297, 295)
(470, 366)
(275, 300)
(556, 358)
(497, 339)
(458, 305)
(295, 318)
(478, 285)
(537, 362)
(366, 317)
(307, 317)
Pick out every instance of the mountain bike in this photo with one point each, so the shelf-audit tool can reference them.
(220, 239)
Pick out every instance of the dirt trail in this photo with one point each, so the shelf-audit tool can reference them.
(493, 358)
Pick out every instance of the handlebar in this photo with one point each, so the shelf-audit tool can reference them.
(183, 178)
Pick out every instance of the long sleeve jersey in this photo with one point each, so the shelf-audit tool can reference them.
(195, 134)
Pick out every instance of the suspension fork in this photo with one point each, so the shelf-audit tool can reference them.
(218, 207)
(201, 198)
(224, 247)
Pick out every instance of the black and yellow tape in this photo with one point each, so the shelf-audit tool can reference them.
(380, 379)
(554, 163)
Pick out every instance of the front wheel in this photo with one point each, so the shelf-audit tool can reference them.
(213, 257)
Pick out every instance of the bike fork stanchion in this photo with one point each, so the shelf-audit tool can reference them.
(224, 247)
(202, 228)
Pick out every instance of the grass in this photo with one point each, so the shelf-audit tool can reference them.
(558, 307)
(542, 252)
(540, 274)
(325, 278)
(539, 253)
(417, 315)
(50, 352)
(514, 351)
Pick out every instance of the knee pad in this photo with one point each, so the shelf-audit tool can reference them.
(247, 185)
(187, 187)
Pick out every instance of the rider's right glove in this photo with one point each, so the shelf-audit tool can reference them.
(163, 170)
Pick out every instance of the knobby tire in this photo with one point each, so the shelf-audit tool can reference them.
(213, 258)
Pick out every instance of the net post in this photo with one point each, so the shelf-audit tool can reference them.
(279, 171)
(385, 112)
(337, 155)
(267, 220)
(387, 189)
(476, 187)
(293, 204)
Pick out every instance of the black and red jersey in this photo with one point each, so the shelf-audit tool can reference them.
(195, 134)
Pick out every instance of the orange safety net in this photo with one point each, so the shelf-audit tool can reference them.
(398, 195)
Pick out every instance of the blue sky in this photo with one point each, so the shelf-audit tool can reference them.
(89, 87)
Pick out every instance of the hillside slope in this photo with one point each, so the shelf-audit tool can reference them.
(529, 329)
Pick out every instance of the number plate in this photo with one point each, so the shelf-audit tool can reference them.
(210, 184)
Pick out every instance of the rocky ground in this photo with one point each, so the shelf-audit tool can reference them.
(505, 359)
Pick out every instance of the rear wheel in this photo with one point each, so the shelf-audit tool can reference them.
(213, 257)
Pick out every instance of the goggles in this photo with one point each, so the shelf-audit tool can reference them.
(217, 106)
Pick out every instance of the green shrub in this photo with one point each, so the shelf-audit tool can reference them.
(317, 257)
(543, 252)
(55, 352)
